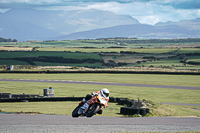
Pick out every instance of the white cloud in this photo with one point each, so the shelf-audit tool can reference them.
(30, 1)
(146, 11)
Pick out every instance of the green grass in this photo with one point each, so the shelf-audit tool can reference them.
(158, 95)
(156, 53)
(154, 79)
(12, 62)
(166, 62)
(173, 63)
(173, 110)
(15, 54)
(68, 64)
(149, 50)
(59, 108)
(4, 56)
(189, 50)
(85, 49)
(193, 58)
(102, 43)
(57, 44)
(68, 90)
(66, 108)
(153, 50)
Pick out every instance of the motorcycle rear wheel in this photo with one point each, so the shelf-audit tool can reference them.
(75, 112)
(92, 110)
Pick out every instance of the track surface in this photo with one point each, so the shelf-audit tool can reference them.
(101, 83)
(60, 123)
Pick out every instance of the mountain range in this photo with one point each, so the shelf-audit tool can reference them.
(29, 24)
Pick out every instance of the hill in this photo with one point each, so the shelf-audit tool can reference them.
(172, 30)
(30, 24)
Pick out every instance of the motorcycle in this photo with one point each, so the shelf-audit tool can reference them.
(95, 105)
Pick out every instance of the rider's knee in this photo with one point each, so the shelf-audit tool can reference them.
(88, 96)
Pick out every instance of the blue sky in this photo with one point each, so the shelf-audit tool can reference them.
(145, 11)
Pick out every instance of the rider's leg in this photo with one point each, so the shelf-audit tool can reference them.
(87, 97)
(85, 106)
(82, 102)
(87, 103)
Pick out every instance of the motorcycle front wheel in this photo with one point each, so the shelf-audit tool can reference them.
(75, 112)
(92, 110)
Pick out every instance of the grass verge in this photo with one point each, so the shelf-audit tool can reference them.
(66, 108)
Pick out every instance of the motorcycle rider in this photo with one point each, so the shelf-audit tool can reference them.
(104, 93)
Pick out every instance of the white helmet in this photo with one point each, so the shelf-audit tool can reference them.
(104, 92)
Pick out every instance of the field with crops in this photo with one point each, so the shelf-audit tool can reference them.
(179, 54)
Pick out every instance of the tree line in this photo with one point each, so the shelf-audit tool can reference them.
(138, 41)
(52, 59)
(7, 40)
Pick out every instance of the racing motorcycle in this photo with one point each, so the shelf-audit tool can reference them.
(95, 105)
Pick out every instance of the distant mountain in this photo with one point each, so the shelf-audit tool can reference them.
(188, 29)
(193, 24)
(29, 24)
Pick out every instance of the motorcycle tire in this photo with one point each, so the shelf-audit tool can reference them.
(92, 110)
(75, 112)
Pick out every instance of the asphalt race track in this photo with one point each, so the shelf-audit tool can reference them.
(101, 83)
(14, 123)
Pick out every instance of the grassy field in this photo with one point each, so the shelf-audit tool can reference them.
(70, 90)
(14, 54)
(111, 52)
(155, 79)
(157, 95)
(108, 42)
(189, 50)
(66, 108)
(154, 57)
(139, 50)
(59, 108)
(54, 58)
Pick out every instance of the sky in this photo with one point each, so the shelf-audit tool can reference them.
(145, 11)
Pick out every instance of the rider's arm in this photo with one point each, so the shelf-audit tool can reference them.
(106, 103)
(95, 93)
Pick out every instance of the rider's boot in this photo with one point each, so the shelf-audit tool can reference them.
(100, 111)
(82, 102)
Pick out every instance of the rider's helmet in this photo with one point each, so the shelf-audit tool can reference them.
(104, 92)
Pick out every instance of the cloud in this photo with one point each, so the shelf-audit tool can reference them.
(28, 3)
(186, 4)
(150, 12)
(146, 11)
(180, 4)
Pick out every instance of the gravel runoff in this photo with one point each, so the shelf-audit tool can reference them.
(20, 123)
